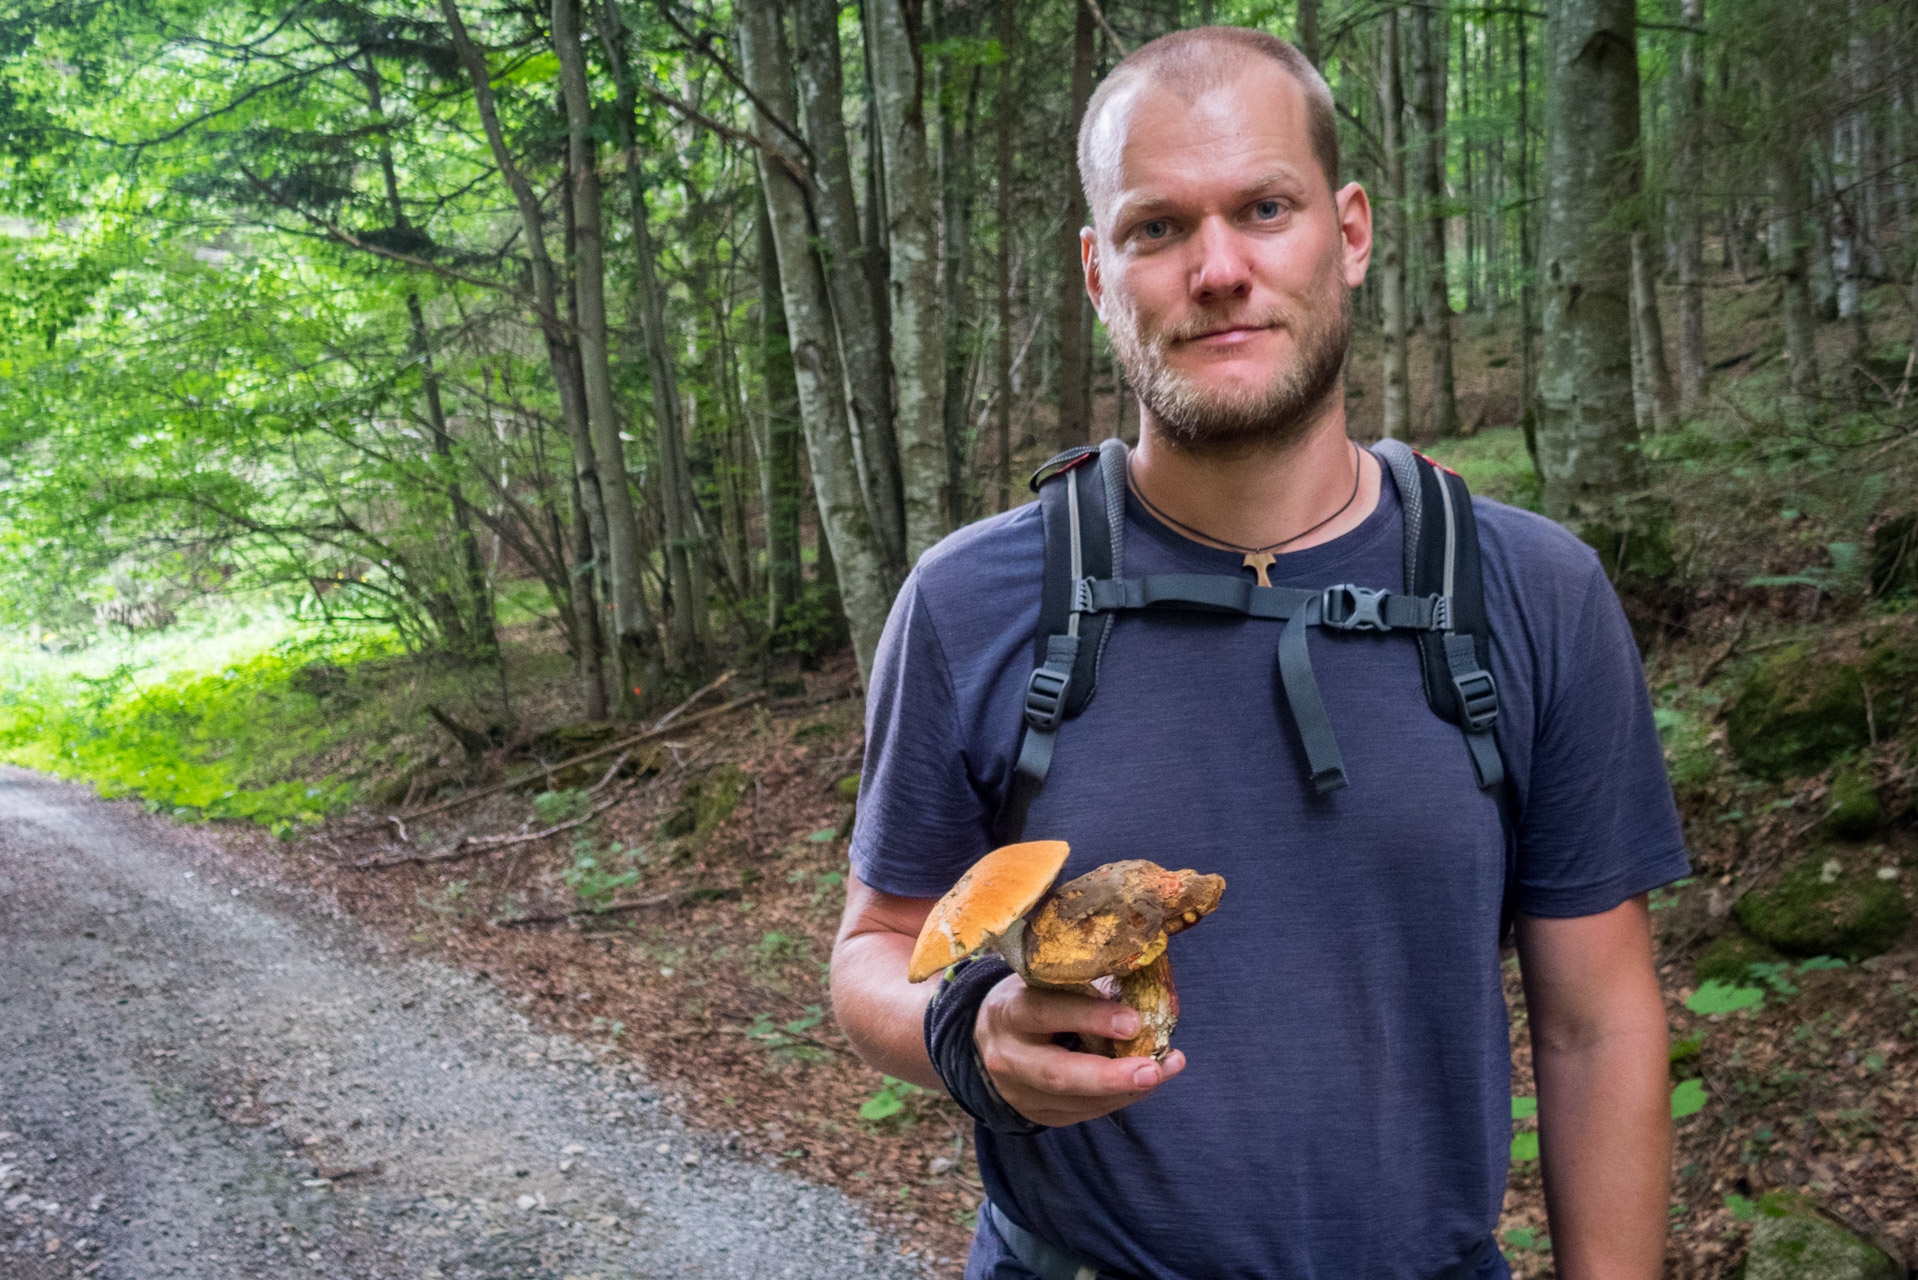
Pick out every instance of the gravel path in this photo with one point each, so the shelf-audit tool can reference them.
(206, 1077)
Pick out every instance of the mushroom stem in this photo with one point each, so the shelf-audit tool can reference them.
(1149, 991)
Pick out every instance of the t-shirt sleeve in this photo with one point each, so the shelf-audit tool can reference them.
(1598, 824)
(922, 819)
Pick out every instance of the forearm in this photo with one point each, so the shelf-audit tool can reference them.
(881, 1013)
(1605, 1139)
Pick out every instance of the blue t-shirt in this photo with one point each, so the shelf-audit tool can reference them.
(1345, 1110)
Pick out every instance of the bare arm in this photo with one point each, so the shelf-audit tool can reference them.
(1599, 1053)
(884, 1016)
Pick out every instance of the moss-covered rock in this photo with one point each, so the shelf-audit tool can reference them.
(1729, 956)
(1793, 1240)
(562, 742)
(1852, 809)
(1796, 713)
(1820, 908)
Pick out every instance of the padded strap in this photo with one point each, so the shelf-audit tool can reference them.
(1344, 607)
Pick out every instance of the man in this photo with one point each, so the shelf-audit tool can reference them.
(1338, 1103)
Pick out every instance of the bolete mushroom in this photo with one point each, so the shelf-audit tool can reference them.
(1112, 922)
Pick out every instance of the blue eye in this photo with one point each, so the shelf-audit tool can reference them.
(1157, 229)
(1266, 210)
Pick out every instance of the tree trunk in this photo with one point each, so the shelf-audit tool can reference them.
(867, 580)
(1395, 234)
(850, 259)
(1002, 264)
(1308, 30)
(780, 395)
(1687, 182)
(1792, 232)
(609, 504)
(1648, 337)
(1428, 54)
(1075, 425)
(918, 347)
(955, 204)
(595, 359)
(589, 647)
(1587, 441)
(1527, 267)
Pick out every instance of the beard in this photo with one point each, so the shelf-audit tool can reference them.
(1277, 415)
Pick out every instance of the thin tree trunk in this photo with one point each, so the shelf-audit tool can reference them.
(1648, 337)
(1791, 236)
(1428, 54)
(1587, 439)
(850, 260)
(589, 647)
(620, 531)
(918, 349)
(1308, 30)
(1687, 182)
(1395, 234)
(780, 395)
(866, 578)
(955, 203)
(1002, 409)
(1075, 425)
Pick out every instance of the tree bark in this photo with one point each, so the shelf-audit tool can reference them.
(1527, 267)
(1395, 234)
(1428, 53)
(780, 395)
(1687, 182)
(866, 579)
(1792, 232)
(609, 504)
(1074, 422)
(918, 347)
(1002, 263)
(955, 203)
(1648, 339)
(1587, 439)
(849, 260)
(1308, 30)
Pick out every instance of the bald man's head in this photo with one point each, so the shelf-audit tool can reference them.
(1189, 63)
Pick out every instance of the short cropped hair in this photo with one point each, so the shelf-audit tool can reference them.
(1193, 61)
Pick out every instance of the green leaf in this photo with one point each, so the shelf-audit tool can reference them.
(1688, 1099)
(1723, 997)
(822, 835)
(881, 1105)
(1743, 1209)
(1524, 1108)
(1817, 963)
(1524, 1147)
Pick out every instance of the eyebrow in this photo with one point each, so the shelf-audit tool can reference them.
(1129, 211)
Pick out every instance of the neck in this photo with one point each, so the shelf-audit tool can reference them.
(1257, 495)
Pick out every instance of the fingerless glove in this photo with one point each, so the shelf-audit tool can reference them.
(950, 1020)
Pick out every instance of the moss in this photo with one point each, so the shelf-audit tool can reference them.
(712, 799)
(1689, 758)
(1819, 908)
(1729, 956)
(1793, 1240)
(848, 788)
(1796, 713)
(1853, 812)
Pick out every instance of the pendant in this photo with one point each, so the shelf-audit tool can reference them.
(1259, 562)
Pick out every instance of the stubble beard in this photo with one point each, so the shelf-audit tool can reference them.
(1275, 416)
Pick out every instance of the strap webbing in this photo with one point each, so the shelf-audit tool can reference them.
(1322, 756)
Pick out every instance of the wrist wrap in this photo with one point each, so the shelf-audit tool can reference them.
(950, 1019)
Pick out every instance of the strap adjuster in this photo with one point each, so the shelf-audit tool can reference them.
(1351, 608)
(1046, 697)
(1477, 699)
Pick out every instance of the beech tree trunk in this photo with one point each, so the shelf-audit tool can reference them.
(1075, 425)
(1687, 182)
(1394, 236)
(1587, 437)
(1660, 408)
(918, 346)
(779, 394)
(849, 260)
(1308, 30)
(1002, 264)
(1792, 233)
(1428, 53)
(866, 579)
(955, 203)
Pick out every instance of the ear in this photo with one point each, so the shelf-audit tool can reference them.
(1355, 231)
(1089, 263)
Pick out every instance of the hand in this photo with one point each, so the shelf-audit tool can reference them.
(1050, 1085)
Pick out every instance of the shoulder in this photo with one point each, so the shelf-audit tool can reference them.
(973, 564)
(1535, 568)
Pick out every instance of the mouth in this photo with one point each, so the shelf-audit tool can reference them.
(1226, 334)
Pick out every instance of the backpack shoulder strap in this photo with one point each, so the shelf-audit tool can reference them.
(1082, 513)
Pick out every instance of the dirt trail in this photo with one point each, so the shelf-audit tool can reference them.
(206, 1077)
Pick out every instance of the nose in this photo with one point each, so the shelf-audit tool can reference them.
(1222, 272)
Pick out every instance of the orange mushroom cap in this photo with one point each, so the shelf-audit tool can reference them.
(994, 893)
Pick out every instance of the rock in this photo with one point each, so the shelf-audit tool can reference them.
(1852, 810)
(564, 741)
(1729, 956)
(1815, 911)
(1797, 712)
(1794, 1240)
(706, 802)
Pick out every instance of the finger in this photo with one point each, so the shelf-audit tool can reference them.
(1045, 1068)
(1039, 1014)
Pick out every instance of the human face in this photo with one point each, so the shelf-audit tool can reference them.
(1222, 264)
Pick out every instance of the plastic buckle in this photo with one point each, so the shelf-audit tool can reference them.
(1046, 698)
(1082, 601)
(1477, 699)
(1349, 608)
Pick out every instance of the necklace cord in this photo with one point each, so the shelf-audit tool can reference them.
(1358, 474)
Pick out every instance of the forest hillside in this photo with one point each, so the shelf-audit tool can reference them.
(467, 452)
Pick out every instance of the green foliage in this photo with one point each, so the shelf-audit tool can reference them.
(1720, 997)
(890, 1101)
(563, 805)
(1852, 810)
(1688, 1099)
(1494, 464)
(1820, 909)
(1525, 1238)
(1729, 956)
(1690, 759)
(597, 875)
(1524, 1146)
(811, 627)
(790, 1041)
(1800, 710)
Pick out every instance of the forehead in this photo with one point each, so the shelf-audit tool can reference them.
(1163, 138)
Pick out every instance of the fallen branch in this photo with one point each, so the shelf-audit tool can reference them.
(534, 774)
(673, 715)
(611, 908)
(1723, 655)
(467, 846)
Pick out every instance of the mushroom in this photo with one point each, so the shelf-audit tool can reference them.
(1112, 922)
